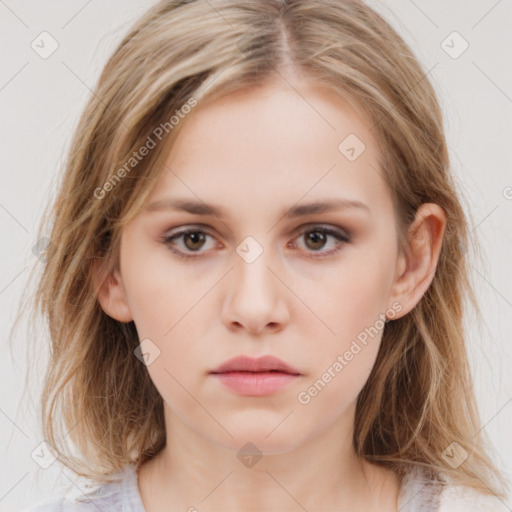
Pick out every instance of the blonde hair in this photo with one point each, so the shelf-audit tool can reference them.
(97, 395)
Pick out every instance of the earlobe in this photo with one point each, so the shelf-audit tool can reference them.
(112, 297)
(418, 266)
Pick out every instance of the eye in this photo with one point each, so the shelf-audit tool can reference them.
(193, 239)
(318, 236)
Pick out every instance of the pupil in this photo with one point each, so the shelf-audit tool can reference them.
(195, 237)
(315, 237)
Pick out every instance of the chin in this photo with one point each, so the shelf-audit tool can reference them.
(258, 441)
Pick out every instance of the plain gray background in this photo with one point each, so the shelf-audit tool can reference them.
(41, 99)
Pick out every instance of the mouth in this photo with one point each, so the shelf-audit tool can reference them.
(246, 371)
(264, 364)
(263, 376)
(262, 383)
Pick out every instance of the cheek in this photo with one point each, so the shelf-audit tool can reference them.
(168, 307)
(348, 298)
(365, 284)
(341, 365)
(345, 332)
(160, 293)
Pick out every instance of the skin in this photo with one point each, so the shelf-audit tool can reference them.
(257, 153)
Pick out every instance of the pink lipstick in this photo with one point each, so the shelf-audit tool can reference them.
(255, 377)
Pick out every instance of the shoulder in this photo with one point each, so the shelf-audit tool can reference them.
(59, 506)
(73, 505)
(45, 507)
(121, 494)
(467, 499)
(421, 492)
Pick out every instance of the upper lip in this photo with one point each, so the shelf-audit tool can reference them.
(260, 364)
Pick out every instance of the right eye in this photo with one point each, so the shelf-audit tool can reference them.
(192, 238)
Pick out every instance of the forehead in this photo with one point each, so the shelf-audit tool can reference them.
(272, 145)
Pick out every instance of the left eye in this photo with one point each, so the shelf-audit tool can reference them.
(317, 237)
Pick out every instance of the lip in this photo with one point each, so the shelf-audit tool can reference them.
(255, 384)
(260, 364)
(255, 377)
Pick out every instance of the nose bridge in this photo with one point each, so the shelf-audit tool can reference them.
(251, 272)
(254, 299)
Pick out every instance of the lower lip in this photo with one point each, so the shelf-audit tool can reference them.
(255, 384)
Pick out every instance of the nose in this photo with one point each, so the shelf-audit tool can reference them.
(255, 298)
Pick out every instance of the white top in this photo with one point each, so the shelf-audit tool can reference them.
(416, 495)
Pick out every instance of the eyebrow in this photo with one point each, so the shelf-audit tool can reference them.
(297, 210)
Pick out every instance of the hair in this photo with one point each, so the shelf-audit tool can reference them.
(98, 399)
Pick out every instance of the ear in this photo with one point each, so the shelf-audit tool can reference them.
(416, 268)
(111, 294)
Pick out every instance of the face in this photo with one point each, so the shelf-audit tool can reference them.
(311, 288)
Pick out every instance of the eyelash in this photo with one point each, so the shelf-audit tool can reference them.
(343, 239)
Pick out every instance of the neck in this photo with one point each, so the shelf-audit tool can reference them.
(194, 471)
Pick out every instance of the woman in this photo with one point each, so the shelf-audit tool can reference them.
(257, 278)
